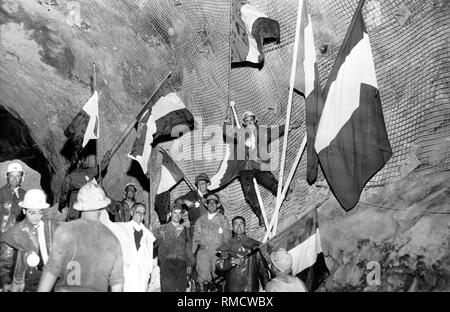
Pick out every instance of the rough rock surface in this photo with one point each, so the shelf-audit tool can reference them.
(404, 227)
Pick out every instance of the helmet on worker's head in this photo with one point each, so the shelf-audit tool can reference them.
(13, 167)
(282, 260)
(91, 197)
(202, 177)
(248, 114)
(125, 188)
(34, 199)
(213, 197)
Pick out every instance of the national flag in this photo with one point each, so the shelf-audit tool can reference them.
(85, 125)
(351, 140)
(302, 240)
(308, 84)
(170, 176)
(249, 29)
(228, 170)
(157, 124)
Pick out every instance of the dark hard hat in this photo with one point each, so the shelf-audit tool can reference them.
(202, 177)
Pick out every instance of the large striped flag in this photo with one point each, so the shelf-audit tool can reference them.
(85, 125)
(171, 175)
(159, 123)
(249, 29)
(302, 240)
(307, 83)
(351, 139)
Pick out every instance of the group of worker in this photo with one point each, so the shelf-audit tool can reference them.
(104, 245)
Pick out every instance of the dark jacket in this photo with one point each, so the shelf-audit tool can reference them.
(253, 270)
(15, 246)
(70, 187)
(254, 157)
(9, 218)
(196, 212)
(173, 246)
(121, 211)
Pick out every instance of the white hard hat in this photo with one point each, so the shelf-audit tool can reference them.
(282, 260)
(91, 197)
(34, 199)
(12, 167)
(248, 114)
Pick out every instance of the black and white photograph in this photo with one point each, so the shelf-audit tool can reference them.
(230, 148)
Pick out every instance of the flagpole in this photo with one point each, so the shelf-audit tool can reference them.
(150, 201)
(97, 144)
(230, 52)
(289, 106)
(272, 230)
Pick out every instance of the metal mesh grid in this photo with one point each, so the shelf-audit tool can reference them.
(412, 64)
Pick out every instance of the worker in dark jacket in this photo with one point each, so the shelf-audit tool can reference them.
(10, 195)
(241, 261)
(194, 201)
(174, 252)
(122, 209)
(87, 170)
(252, 150)
(24, 249)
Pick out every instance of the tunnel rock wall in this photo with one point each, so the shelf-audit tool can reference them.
(46, 76)
(402, 229)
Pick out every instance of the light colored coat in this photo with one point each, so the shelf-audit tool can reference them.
(138, 264)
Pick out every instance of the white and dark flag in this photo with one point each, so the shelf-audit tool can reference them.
(85, 125)
(249, 29)
(171, 175)
(158, 124)
(351, 140)
(302, 240)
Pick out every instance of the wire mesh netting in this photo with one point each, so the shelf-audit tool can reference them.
(191, 38)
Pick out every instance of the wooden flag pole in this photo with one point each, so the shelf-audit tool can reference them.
(97, 145)
(150, 201)
(272, 230)
(289, 107)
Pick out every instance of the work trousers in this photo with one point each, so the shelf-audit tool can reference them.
(264, 178)
(173, 275)
(206, 264)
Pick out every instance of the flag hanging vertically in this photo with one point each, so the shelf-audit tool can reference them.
(307, 83)
(157, 124)
(170, 176)
(351, 140)
(85, 126)
(302, 240)
(249, 28)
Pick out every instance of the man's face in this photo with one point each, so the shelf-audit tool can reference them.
(14, 178)
(138, 214)
(176, 215)
(250, 121)
(202, 186)
(212, 205)
(34, 216)
(239, 226)
(130, 192)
